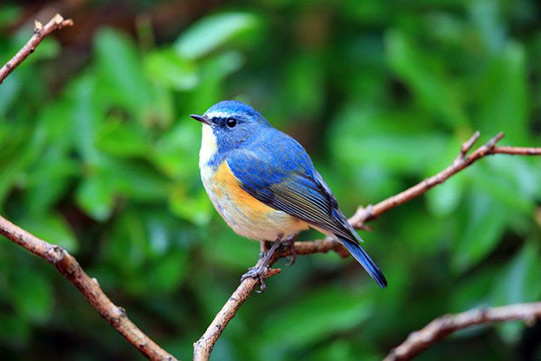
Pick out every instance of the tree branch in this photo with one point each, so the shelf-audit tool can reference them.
(203, 347)
(59, 257)
(89, 288)
(443, 326)
(40, 33)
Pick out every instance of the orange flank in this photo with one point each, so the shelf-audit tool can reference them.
(245, 214)
(226, 181)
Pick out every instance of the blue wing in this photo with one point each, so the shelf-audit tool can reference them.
(277, 171)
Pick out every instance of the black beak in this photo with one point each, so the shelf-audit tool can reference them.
(201, 119)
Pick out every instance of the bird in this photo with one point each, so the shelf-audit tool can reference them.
(265, 186)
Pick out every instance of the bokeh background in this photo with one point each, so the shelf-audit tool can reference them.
(98, 154)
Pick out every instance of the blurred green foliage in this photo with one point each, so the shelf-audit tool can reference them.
(102, 157)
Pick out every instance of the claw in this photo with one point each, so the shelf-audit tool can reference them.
(260, 271)
(290, 243)
(293, 256)
(257, 273)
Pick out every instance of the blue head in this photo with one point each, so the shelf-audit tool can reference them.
(228, 124)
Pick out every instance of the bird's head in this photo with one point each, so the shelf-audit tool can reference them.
(229, 123)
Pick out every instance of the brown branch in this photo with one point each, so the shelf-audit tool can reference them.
(59, 257)
(89, 288)
(203, 347)
(40, 33)
(517, 150)
(443, 326)
(462, 161)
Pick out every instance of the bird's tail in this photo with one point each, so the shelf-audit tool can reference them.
(364, 259)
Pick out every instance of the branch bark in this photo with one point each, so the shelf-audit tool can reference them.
(443, 326)
(203, 347)
(88, 287)
(40, 33)
(59, 257)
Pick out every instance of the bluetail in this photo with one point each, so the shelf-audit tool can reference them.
(264, 184)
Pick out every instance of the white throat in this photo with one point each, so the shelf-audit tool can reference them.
(209, 146)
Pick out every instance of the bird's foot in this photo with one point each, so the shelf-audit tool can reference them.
(290, 243)
(260, 270)
(257, 273)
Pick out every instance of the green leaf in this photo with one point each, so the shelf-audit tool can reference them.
(33, 296)
(127, 244)
(473, 291)
(393, 141)
(14, 330)
(122, 139)
(176, 151)
(121, 78)
(9, 90)
(314, 317)
(212, 74)
(194, 208)
(445, 199)
(95, 195)
(304, 85)
(519, 283)
(213, 31)
(168, 69)
(483, 222)
(168, 271)
(231, 250)
(49, 179)
(87, 115)
(109, 177)
(424, 75)
(9, 14)
(51, 227)
(497, 180)
(136, 180)
(503, 103)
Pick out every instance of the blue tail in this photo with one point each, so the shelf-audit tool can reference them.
(364, 259)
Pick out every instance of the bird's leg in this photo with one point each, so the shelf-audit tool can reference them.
(258, 272)
(290, 243)
(264, 247)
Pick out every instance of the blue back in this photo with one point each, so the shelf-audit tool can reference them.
(276, 170)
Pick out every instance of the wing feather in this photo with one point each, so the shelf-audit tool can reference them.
(281, 175)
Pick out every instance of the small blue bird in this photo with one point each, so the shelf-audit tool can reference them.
(264, 185)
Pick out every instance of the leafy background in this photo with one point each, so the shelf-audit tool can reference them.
(98, 154)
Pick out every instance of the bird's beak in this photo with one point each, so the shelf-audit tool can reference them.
(201, 119)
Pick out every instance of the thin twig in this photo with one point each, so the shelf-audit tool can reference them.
(40, 33)
(89, 288)
(460, 163)
(517, 150)
(203, 347)
(443, 326)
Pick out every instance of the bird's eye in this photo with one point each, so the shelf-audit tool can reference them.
(231, 122)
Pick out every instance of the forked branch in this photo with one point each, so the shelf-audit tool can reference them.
(40, 33)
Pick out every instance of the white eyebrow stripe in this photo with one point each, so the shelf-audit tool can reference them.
(216, 114)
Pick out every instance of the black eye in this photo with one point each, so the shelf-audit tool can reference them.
(231, 122)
